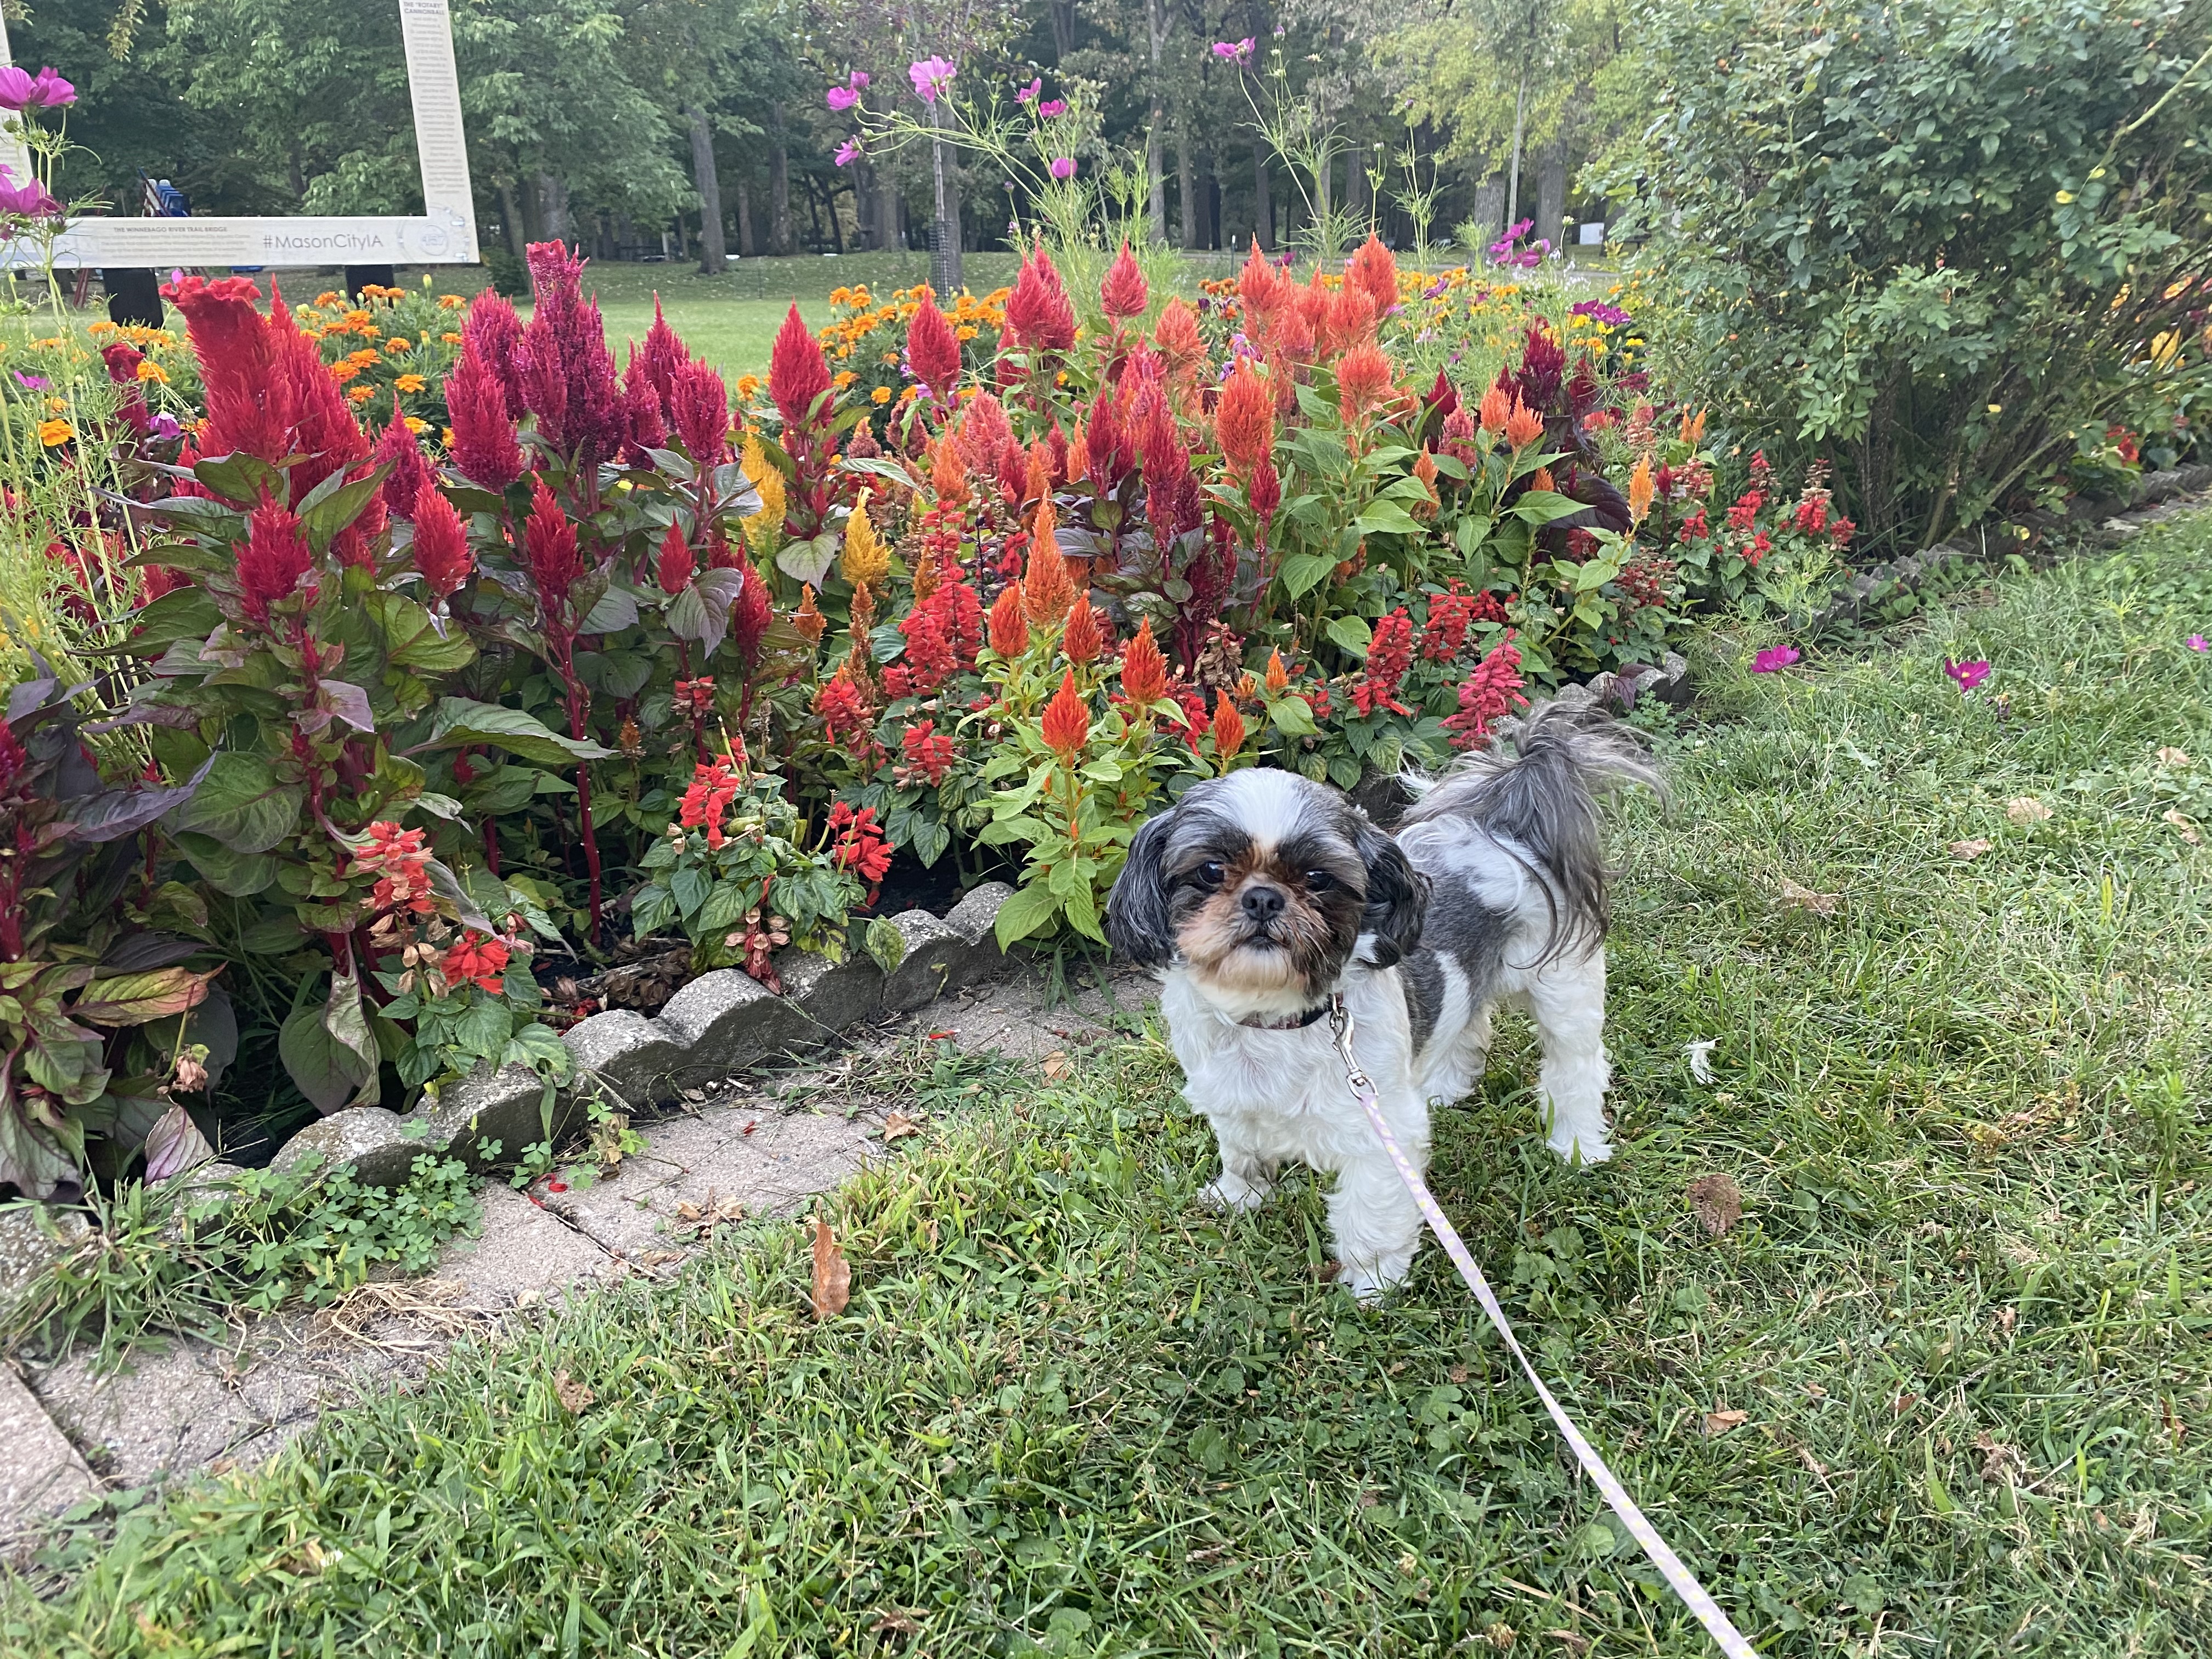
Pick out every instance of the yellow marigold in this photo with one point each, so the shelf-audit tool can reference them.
(345, 369)
(417, 425)
(450, 337)
(446, 437)
(748, 386)
(361, 394)
(57, 404)
(149, 370)
(966, 330)
(844, 378)
(54, 433)
(882, 394)
(399, 342)
(450, 302)
(410, 383)
(867, 561)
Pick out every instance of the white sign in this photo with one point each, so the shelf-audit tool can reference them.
(1593, 233)
(445, 235)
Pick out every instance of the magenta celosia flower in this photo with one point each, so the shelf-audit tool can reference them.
(1063, 167)
(930, 75)
(1968, 674)
(841, 99)
(1774, 658)
(847, 153)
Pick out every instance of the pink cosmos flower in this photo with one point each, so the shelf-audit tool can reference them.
(2198, 642)
(847, 153)
(1774, 658)
(841, 99)
(1235, 52)
(858, 80)
(25, 201)
(1062, 167)
(1053, 108)
(1968, 674)
(1031, 93)
(19, 90)
(930, 75)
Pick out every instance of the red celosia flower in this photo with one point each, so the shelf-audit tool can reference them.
(1458, 437)
(122, 359)
(657, 359)
(1523, 426)
(476, 959)
(441, 552)
(1374, 272)
(1082, 643)
(1492, 691)
(1228, 729)
(275, 558)
(1038, 312)
(402, 862)
(250, 401)
(1362, 382)
(644, 428)
(495, 333)
(848, 718)
(676, 564)
(396, 449)
(549, 546)
(1067, 725)
(984, 434)
(1123, 294)
(700, 411)
(862, 847)
(1350, 322)
(1143, 670)
(933, 350)
(484, 445)
(929, 755)
(1388, 655)
(706, 804)
(1172, 504)
(1264, 288)
(797, 374)
(750, 616)
(1010, 626)
(567, 373)
(1244, 420)
(1266, 495)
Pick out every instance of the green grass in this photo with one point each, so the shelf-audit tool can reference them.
(1069, 1412)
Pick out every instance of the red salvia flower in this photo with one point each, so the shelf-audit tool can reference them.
(1742, 515)
(693, 699)
(700, 411)
(1067, 725)
(484, 445)
(676, 564)
(929, 755)
(476, 959)
(1244, 421)
(275, 558)
(1082, 643)
(1388, 655)
(706, 802)
(442, 557)
(402, 862)
(1123, 294)
(862, 847)
(797, 374)
(1009, 627)
(1143, 670)
(933, 350)
(549, 546)
(928, 660)
(848, 717)
(396, 449)
(1491, 692)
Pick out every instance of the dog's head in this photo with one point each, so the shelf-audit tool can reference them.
(1262, 885)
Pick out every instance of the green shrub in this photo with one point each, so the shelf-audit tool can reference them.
(1948, 242)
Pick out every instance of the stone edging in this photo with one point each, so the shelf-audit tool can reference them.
(718, 1025)
(1913, 572)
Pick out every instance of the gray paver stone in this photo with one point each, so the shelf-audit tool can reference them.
(374, 1140)
(634, 1057)
(508, 1106)
(933, 952)
(726, 1021)
(830, 995)
(28, 1247)
(522, 1252)
(41, 1472)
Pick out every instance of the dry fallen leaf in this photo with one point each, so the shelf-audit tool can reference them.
(833, 1274)
(2025, 809)
(1719, 1423)
(1718, 1201)
(2179, 820)
(1804, 898)
(573, 1395)
(899, 1124)
(1999, 1461)
(1055, 1063)
(2172, 757)
(703, 1218)
(895, 1623)
(1969, 850)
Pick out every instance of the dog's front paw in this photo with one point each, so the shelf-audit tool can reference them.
(1233, 1195)
(1371, 1283)
(1592, 1149)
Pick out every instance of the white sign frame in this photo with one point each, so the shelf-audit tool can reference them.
(445, 234)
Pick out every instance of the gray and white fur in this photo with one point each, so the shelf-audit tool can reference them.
(1262, 893)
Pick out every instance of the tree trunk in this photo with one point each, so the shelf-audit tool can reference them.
(1186, 186)
(887, 200)
(1552, 193)
(1263, 195)
(1212, 202)
(510, 217)
(1063, 29)
(830, 194)
(779, 186)
(711, 252)
(748, 243)
(1520, 125)
(944, 229)
(553, 207)
(1355, 185)
(1156, 178)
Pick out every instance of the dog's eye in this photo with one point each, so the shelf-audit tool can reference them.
(1210, 873)
(1319, 881)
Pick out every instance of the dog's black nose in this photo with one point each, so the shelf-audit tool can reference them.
(1261, 903)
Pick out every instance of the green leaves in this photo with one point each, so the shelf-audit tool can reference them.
(1028, 911)
(242, 804)
(330, 1051)
(135, 999)
(1302, 572)
(459, 722)
(1351, 635)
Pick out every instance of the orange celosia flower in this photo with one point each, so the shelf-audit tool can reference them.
(1066, 721)
(1373, 272)
(1523, 426)
(1362, 382)
(1177, 337)
(1048, 592)
(1244, 423)
(1540, 479)
(1497, 409)
(1143, 670)
(1279, 677)
(1009, 629)
(948, 473)
(1640, 489)
(807, 620)
(1228, 729)
(1082, 643)
(1693, 426)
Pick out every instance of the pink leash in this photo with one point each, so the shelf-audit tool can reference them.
(1680, 1578)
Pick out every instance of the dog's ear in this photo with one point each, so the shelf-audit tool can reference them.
(1137, 924)
(1397, 896)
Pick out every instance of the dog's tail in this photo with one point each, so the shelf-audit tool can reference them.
(1538, 799)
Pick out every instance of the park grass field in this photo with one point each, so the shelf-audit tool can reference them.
(1923, 1370)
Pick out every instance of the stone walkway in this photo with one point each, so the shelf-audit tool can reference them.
(67, 1435)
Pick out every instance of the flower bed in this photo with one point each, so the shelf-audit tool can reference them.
(550, 656)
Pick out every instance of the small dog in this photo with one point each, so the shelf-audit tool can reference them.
(1262, 895)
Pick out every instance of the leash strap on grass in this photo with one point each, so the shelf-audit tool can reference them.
(1680, 1578)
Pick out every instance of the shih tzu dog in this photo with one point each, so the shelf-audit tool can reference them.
(1262, 894)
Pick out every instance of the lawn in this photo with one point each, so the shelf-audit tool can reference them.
(1942, 1389)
